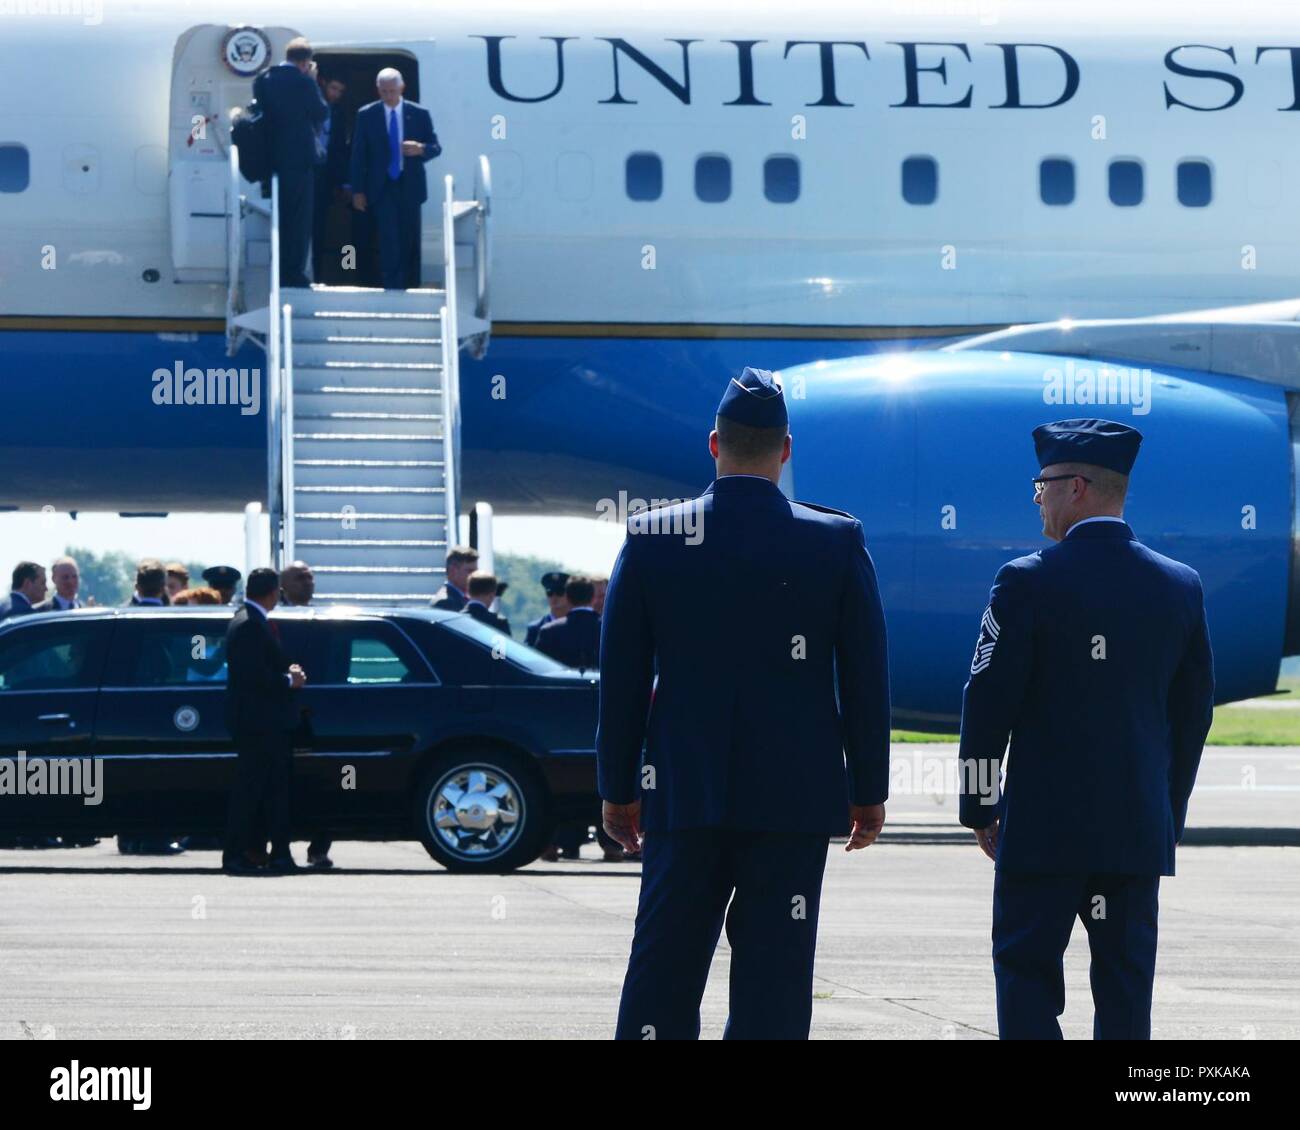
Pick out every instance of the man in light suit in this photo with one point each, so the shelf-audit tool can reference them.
(1094, 658)
(392, 142)
(767, 732)
(28, 590)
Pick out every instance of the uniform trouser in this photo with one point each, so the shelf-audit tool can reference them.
(397, 223)
(263, 779)
(1033, 916)
(773, 883)
(297, 190)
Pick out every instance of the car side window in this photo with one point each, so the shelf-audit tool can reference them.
(54, 657)
(179, 653)
(362, 654)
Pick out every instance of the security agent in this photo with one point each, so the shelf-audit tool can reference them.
(768, 731)
(295, 110)
(28, 590)
(262, 715)
(462, 560)
(574, 639)
(553, 584)
(483, 589)
(223, 578)
(1094, 656)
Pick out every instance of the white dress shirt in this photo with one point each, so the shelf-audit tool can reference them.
(1097, 518)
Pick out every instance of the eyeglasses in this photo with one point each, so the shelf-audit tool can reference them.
(1039, 483)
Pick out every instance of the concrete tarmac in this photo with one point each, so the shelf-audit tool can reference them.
(95, 944)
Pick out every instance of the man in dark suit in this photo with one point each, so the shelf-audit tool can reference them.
(390, 145)
(768, 729)
(262, 715)
(574, 639)
(150, 583)
(333, 164)
(67, 583)
(482, 592)
(462, 560)
(295, 111)
(28, 590)
(553, 584)
(1094, 657)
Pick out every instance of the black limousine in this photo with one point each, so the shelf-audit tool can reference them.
(415, 725)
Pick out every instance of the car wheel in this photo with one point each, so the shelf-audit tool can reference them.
(482, 810)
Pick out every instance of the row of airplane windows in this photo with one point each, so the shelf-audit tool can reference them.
(644, 179)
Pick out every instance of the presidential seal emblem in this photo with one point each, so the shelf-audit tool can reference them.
(246, 51)
(186, 718)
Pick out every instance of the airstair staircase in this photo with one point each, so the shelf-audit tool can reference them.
(363, 407)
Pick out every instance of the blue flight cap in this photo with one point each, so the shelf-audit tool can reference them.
(755, 398)
(1101, 443)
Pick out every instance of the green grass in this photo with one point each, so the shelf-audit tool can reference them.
(1233, 725)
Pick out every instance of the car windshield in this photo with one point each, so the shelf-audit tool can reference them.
(519, 654)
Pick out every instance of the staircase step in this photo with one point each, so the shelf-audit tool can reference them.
(366, 352)
(354, 445)
(366, 551)
(337, 402)
(372, 522)
(426, 501)
(319, 328)
(369, 472)
(350, 299)
(377, 581)
(411, 426)
(315, 378)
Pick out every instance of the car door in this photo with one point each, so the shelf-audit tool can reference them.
(49, 688)
(161, 726)
(366, 709)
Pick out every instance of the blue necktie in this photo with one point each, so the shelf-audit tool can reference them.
(394, 150)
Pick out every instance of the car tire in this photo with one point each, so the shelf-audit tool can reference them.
(482, 810)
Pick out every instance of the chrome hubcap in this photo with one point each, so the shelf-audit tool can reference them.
(476, 811)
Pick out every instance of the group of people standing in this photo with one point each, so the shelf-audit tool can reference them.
(377, 170)
(733, 746)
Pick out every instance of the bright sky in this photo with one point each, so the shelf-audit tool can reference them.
(579, 543)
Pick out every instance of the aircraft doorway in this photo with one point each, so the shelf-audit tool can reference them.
(347, 76)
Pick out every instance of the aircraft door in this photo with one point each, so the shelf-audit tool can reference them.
(213, 68)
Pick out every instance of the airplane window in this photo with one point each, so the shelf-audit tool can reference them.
(15, 168)
(1194, 188)
(645, 176)
(713, 179)
(781, 180)
(1125, 183)
(1056, 181)
(920, 180)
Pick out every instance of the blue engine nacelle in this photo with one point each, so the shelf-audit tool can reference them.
(932, 451)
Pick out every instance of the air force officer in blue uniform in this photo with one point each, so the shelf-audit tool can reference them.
(1094, 656)
(392, 142)
(766, 734)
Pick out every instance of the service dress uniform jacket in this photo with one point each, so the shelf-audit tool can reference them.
(770, 716)
(1094, 658)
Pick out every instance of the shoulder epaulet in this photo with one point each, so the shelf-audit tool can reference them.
(824, 509)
